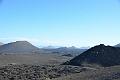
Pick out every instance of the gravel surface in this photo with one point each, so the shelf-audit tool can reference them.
(36, 72)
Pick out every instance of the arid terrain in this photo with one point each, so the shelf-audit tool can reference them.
(36, 59)
(59, 40)
(23, 61)
(108, 73)
(47, 67)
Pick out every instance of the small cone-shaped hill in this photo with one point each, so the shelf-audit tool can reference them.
(18, 46)
(101, 55)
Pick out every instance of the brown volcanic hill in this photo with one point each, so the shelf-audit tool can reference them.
(17, 47)
(100, 55)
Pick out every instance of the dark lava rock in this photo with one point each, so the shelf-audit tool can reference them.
(102, 55)
(36, 72)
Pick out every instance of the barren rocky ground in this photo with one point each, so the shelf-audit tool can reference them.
(36, 72)
(58, 72)
(108, 73)
(47, 67)
(32, 59)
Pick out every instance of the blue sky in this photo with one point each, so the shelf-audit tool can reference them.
(61, 22)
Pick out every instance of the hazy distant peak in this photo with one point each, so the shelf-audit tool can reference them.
(118, 45)
(72, 47)
(1, 43)
(51, 47)
(85, 47)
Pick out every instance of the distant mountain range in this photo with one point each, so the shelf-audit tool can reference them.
(66, 50)
(26, 47)
(50, 47)
(101, 55)
(55, 47)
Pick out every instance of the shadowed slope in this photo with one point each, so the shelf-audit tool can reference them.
(101, 55)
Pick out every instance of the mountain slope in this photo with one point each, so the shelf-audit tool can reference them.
(18, 46)
(101, 55)
(118, 45)
(1, 43)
